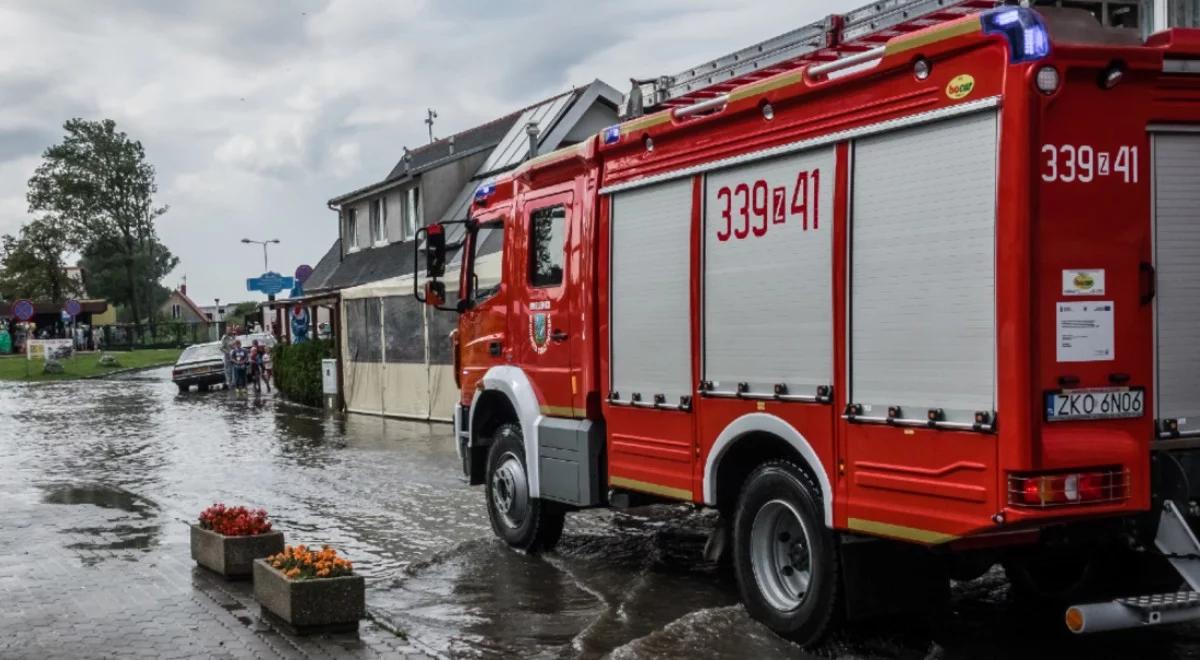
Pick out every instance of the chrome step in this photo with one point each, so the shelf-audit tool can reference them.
(1175, 540)
(1179, 600)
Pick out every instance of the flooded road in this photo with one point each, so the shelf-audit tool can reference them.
(387, 493)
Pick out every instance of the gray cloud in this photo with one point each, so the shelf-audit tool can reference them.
(255, 113)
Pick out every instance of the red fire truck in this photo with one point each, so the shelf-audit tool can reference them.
(916, 301)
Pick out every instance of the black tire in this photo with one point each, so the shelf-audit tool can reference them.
(183, 387)
(539, 525)
(775, 493)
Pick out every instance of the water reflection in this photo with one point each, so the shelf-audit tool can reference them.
(130, 458)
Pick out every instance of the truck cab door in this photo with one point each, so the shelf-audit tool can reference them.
(544, 311)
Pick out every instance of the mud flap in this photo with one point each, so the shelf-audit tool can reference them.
(886, 578)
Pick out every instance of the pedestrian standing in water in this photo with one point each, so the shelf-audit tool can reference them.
(266, 367)
(240, 357)
(227, 342)
(254, 367)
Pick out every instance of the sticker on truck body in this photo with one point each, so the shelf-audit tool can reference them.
(1085, 332)
(1083, 282)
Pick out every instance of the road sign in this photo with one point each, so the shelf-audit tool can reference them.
(72, 307)
(303, 272)
(23, 310)
(270, 283)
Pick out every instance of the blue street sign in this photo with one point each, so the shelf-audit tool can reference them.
(270, 283)
(23, 310)
(72, 307)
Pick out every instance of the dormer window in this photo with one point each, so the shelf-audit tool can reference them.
(352, 227)
(379, 220)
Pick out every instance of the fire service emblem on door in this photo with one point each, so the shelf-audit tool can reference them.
(539, 331)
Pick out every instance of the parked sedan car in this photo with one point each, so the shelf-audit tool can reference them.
(201, 365)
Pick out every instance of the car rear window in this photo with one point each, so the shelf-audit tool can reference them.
(200, 352)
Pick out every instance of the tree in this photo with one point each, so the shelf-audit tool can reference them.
(104, 273)
(98, 182)
(32, 263)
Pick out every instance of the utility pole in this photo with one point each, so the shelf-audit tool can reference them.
(430, 115)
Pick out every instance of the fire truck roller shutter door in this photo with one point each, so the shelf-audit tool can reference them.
(514, 384)
(768, 295)
(1177, 261)
(651, 315)
(922, 270)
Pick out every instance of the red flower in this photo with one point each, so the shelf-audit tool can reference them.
(235, 521)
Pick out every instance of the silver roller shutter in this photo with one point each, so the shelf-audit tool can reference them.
(650, 294)
(922, 255)
(768, 307)
(1177, 260)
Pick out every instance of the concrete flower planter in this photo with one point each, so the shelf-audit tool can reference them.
(232, 556)
(310, 606)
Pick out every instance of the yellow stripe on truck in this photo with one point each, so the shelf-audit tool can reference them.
(647, 487)
(898, 531)
(968, 25)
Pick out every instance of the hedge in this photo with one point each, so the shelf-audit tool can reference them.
(298, 370)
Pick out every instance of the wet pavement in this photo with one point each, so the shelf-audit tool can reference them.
(98, 480)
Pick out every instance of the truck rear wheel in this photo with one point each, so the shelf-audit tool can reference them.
(784, 555)
(524, 522)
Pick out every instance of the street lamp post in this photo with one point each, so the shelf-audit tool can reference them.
(266, 268)
(264, 244)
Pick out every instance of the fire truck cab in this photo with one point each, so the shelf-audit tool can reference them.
(899, 314)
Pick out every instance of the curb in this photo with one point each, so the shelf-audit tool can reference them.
(127, 370)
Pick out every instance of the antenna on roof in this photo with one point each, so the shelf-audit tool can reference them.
(430, 115)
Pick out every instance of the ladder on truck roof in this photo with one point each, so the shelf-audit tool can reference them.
(830, 38)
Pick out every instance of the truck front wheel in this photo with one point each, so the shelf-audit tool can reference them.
(524, 522)
(784, 556)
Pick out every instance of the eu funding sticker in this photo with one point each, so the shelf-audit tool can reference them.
(1083, 282)
(1085, 332)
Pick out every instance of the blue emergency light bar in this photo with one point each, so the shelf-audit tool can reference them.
(484, 191)
(1024, 30)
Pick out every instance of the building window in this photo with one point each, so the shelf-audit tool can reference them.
(352, 227)
(409, 213)
(547, 240)
(379, 220)
(176, 312)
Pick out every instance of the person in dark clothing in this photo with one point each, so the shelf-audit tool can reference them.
(254, 368)
(240, 357)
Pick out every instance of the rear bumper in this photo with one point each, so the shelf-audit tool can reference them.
(200, 379)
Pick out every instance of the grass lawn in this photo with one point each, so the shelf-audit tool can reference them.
(87, 364)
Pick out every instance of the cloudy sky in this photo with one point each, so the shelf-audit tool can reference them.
(257, 112)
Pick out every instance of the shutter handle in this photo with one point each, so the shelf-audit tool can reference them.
(1149, 282)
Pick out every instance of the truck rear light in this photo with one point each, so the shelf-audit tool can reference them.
(1060, 489)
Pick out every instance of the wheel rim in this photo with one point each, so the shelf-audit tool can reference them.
(510, 491)
(780, 555)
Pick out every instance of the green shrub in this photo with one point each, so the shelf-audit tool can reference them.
(298, 370)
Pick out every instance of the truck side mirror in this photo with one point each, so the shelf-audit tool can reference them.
(435, 251)
(435, 293)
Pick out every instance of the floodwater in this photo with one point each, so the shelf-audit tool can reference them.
(388, 493)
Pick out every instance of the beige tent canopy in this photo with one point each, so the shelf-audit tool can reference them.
(396, 354)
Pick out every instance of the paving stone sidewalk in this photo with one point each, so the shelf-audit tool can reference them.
(92, 571)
